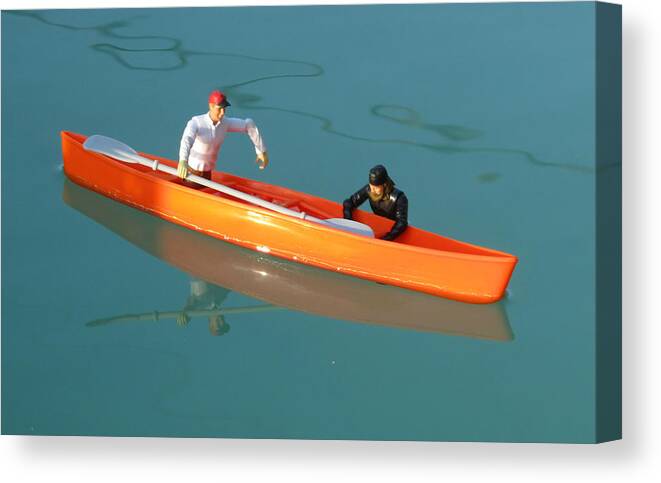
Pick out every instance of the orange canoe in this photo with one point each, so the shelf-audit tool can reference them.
(286, 284)
(417, 260)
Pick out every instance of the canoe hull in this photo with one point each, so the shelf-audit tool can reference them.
(461, 272)
(289, 285)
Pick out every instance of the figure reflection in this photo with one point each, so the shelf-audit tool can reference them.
(207, 296)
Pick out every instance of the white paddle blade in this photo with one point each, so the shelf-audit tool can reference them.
(113, 148)
(351, 226)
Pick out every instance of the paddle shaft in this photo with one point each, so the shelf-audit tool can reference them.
(234, 193)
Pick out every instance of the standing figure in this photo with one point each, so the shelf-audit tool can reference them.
(204, 136)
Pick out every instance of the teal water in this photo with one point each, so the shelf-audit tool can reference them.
(484, 115)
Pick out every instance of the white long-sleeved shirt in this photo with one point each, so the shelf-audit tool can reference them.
(202, 140)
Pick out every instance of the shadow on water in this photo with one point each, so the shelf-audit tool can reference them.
(279, 282)
(402, 115)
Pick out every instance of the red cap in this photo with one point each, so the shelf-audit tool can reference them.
(218, 98)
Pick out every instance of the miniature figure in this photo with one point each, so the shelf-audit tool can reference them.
(204, 136)
(385, 200)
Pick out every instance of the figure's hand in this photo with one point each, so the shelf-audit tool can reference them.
(262, 160)
(346, 210)
(182, 170)
(183, 319)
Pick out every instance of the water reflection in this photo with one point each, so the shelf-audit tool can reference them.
(283, 283)
(209, 298)
(178, 57)
(409, 117)
(205, 301)
(169, 53)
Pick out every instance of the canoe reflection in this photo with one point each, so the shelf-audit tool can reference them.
(284, 283)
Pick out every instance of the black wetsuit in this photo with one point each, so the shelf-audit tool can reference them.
(394, 206)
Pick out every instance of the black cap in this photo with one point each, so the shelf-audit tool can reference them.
(378, 175)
